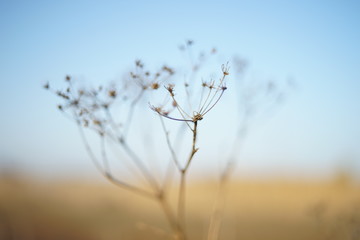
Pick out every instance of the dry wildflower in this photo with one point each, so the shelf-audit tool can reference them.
(139, 64)
(170, 88)
(97, 122)
(225, 69)
(92, 108)
(155, 85)
(63, 95)
(74, 102)
(133, 75)
(168, 69)
(215, 92)
(112, 93)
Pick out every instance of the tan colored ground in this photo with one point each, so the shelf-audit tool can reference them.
(277, 210)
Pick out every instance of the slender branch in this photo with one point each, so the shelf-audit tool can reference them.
(169, 214)
(220, 87)
(177, 145)
(194, 149)
(173, 154)
(182, 188)
(107, 174)
(181, 203)
(104, 155)
(131, 112)
(140, 165)
(206, 100)
(217, 100)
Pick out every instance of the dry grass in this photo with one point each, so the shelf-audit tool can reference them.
(255, 210)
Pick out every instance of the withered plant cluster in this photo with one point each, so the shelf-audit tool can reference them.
(186, 102)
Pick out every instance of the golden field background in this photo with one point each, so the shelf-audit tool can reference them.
(267, 209)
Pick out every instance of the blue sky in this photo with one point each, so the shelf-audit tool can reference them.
(314, 42)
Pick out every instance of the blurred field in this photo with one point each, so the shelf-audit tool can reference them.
(255, 210)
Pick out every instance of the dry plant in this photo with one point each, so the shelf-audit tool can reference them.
(109, 113)
(94, 109)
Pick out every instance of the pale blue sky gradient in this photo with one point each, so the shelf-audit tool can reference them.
(314, 42)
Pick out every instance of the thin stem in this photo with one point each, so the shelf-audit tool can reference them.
(127, 163)
(201, 96)
(182, 188)
(169, 214)
(173, 154)
(113, 124)
(129, 187)
(220, 87)
(206, 100)
(177, 119)
(170, 170)
(131, 112)
(107, 174)
(88, 149)
(141, 166)
(181, 203)
(188, 98)
(217, 100)
(181, 111)
(194, 149)
(104, 155)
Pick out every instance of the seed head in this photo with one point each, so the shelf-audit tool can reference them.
(155, 85)
(112, 93)
(139, 64)
(225, 69)
(170, 88)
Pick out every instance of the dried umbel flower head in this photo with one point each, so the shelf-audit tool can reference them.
(88, 107)
(215, 90)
